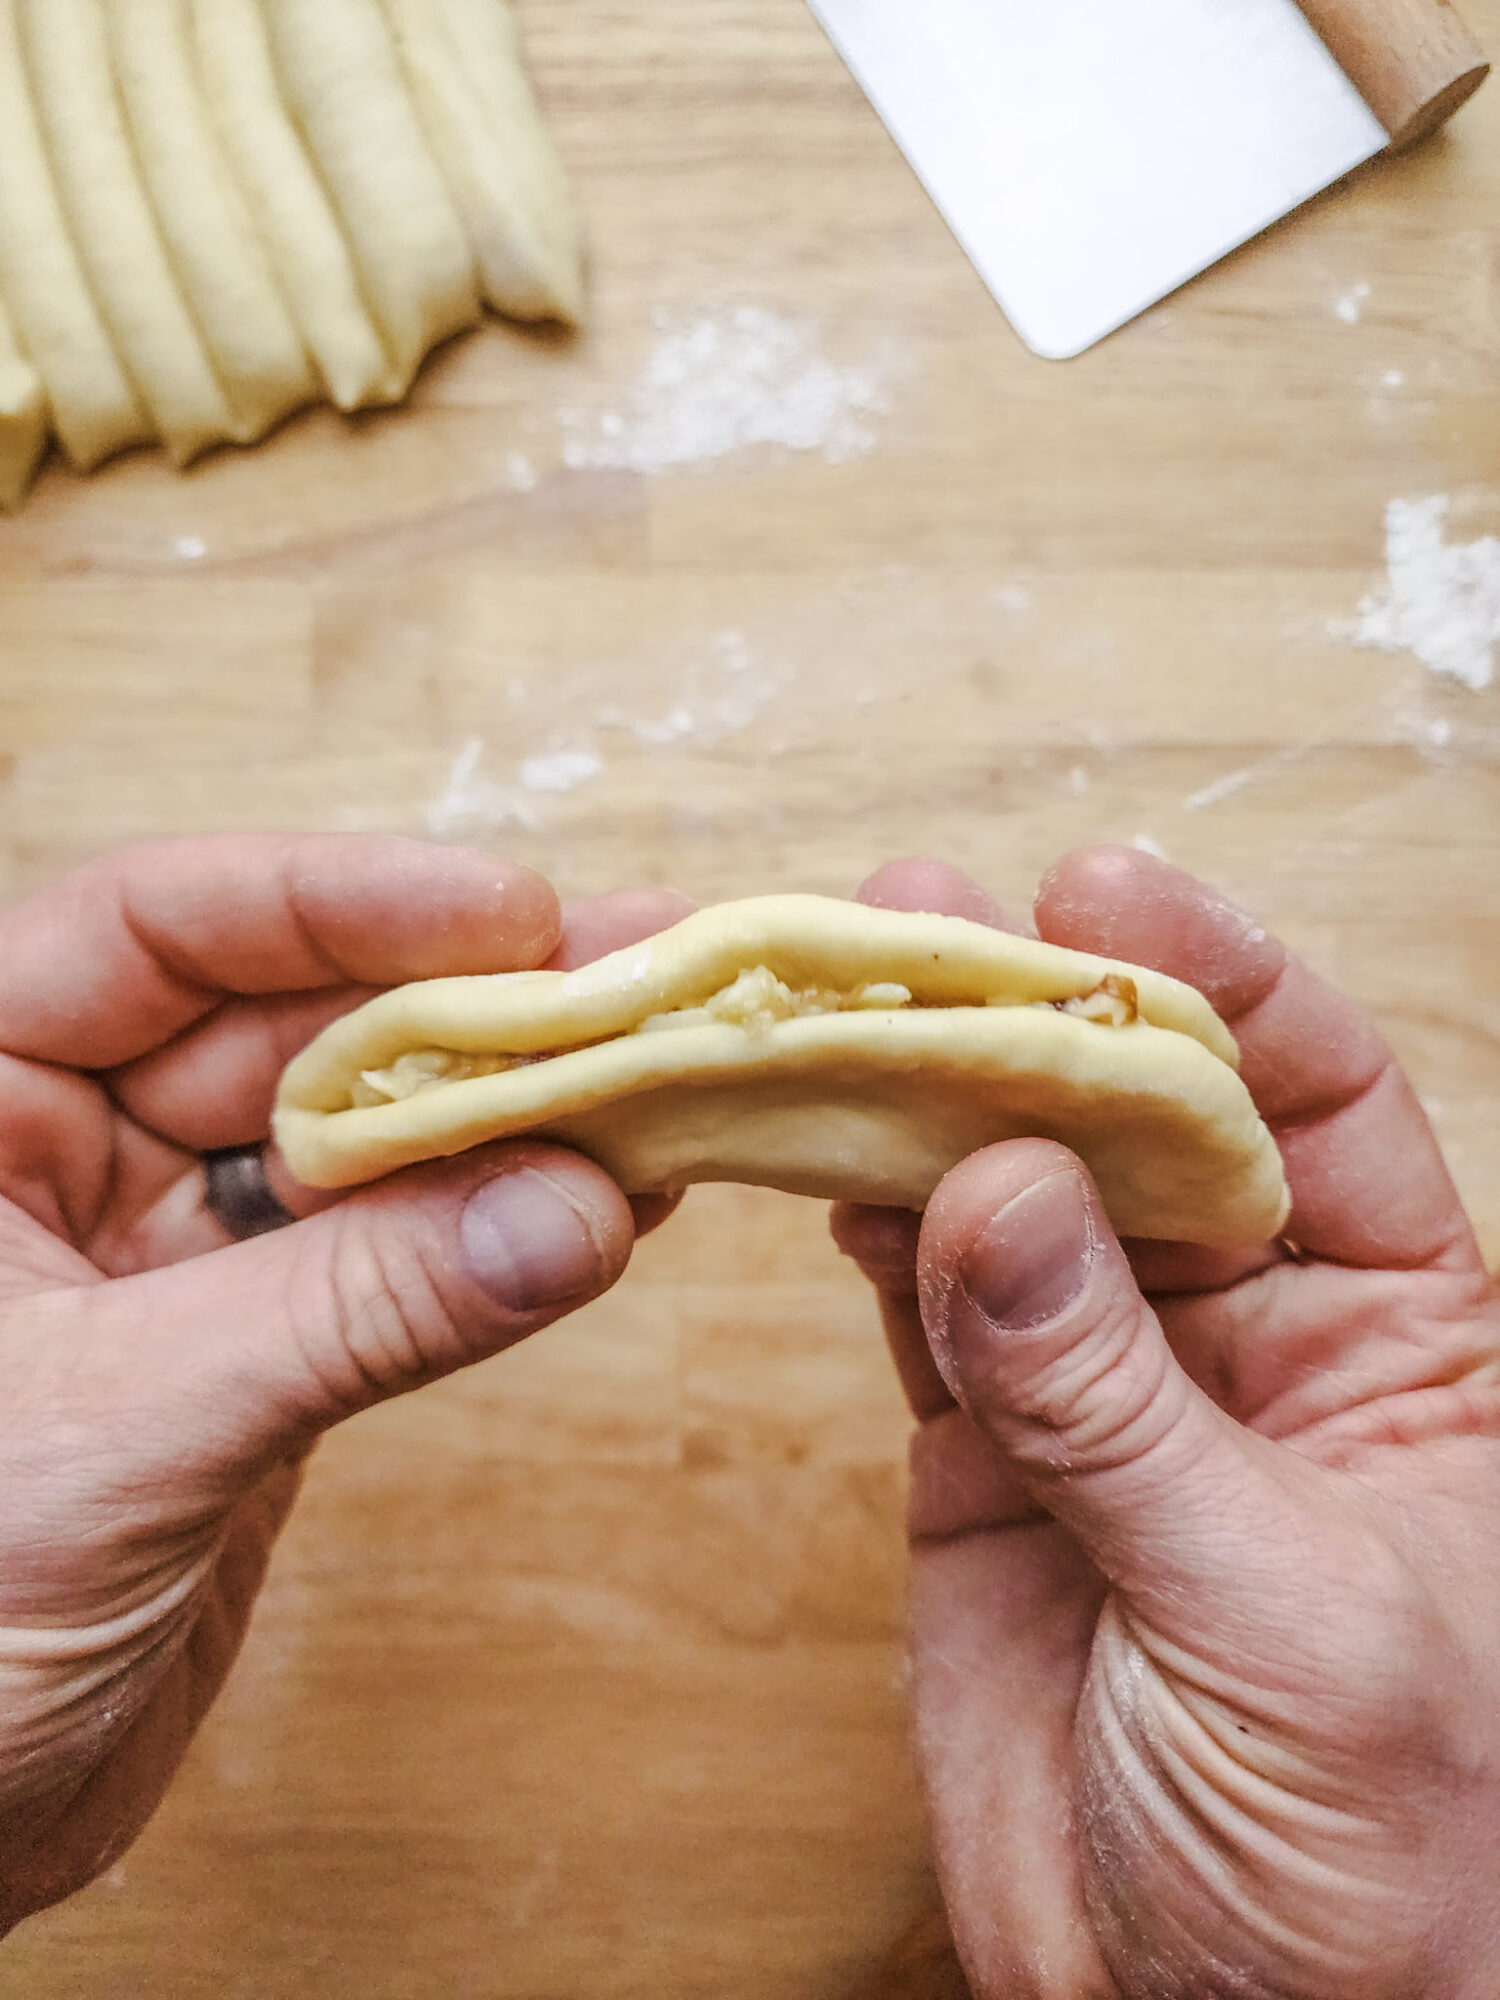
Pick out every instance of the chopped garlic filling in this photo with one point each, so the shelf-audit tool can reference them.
(423, 1069)
(756, 1001)
(1114, 1002)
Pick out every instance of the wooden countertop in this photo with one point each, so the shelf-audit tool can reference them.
(580, 1676)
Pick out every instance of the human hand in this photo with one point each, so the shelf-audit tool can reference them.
(1205, 1586)
(162, 1384)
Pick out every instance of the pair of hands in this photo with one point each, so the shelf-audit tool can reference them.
(1203, 1633)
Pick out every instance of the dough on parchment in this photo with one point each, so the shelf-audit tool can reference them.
(812, 1045)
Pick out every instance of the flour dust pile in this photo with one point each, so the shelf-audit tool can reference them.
(714, 386)
(1441, 599)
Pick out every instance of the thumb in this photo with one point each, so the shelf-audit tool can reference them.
(1041, 1333)
(246, 1354)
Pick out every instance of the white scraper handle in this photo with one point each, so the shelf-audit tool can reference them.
(1413, 61)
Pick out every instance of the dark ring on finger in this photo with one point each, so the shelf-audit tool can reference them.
(238, 1195)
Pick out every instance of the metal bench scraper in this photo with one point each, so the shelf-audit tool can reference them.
(1093, 155)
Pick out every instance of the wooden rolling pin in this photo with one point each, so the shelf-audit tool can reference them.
(1412, 61)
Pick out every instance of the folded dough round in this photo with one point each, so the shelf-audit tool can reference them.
(817, 1046)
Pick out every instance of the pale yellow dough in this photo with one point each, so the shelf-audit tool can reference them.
(211, 211)
(463, 63)
(215, 254)
(292, 213)
(764, 1041)
(66, 45)
(23, 417)
(94, 406)
(340, 74)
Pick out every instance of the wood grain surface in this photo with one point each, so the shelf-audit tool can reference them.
(581, 1675)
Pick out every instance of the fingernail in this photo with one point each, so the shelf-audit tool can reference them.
(527, 1244)
(1033, 1259)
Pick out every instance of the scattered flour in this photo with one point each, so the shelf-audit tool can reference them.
(1148, 846)
(714, 386)
(1220, 789)
(191, 548)
(560, 771)
(1428, 732)
(1351, 304)
(1392, 379)
(1441, 600)
(468, 802)
(721, 689)
(1012, 597)
(520, 473)
(671, 728)
(1225, 787)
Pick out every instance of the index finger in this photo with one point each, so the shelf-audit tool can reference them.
(133, 948)
(1369, 1185)
(213, 1084)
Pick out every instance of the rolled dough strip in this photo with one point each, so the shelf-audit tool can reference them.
(462, 59)
(67, 53)
(285, 197)
(811, 1045)
(342, 80)
(94, 406)
(215, 253)
(23, 418)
